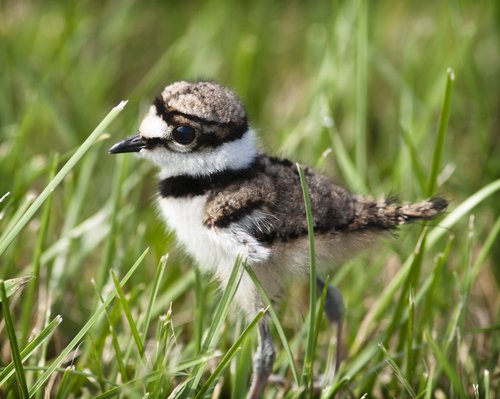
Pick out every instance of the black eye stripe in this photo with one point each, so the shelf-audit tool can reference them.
(153, 142)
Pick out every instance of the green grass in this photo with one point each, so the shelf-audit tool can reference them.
(383, 97)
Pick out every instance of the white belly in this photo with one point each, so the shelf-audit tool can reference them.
(214, 249)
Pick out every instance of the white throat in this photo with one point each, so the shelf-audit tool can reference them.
(236, 154)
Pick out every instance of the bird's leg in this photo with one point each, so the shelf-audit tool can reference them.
(263, 361)
(334, 310)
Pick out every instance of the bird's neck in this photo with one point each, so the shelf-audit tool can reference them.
(230, 156)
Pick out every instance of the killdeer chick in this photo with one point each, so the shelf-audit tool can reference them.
(224, 199)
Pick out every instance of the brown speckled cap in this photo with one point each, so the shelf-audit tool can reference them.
(205, 100)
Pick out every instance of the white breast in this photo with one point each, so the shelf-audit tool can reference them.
(214, 249)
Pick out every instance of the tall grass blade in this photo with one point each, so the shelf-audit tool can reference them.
(485, 249)
(410, 352)
(463, 209)
(276, 321)
(441, 134)
(386, 298)
(20, 211)
(63, 391)
(199, 309)
(68, 166)
(79, 197)
(44, 226)
(160, 271)
(109, 251)
(445, 364)
(345, 163)
(114, 339)
(128, 315)
(319, 317)
(92, 320)
(230, 354)
(398, 372)
(14, 347)
(414, 158)
(430, 383)
(331, 391)
(307, 370)
(98, 366)
(486, 383)
(32, 346)
(397, 314)
(360, 82)
(219, 317)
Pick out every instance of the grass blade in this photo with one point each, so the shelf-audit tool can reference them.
(443, 124)
(21, 210)
(485, 249)
(114, 340)
(44, 226)
(160, 271)
(415, 163)
(128, 315)
(32, 346)
(486, 382)
(98, 366)
(223, 307)
(14, 284)
(307, 370)
(74, 342)
(230, 354)
(14, 347)
(62, 392)
(276, 322)
(398, 312)
(386, 298)
(410, 352)
(463, 209)
(345, 163)
(430, 382)
(445, 364)
(319, 317)
(199, 309)
(116, 391)
(219, 317)
(331, 391)
(68, 166)
(109, 251)
(360, 82)
(398, 372)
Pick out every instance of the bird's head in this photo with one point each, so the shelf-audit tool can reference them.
(193, 129)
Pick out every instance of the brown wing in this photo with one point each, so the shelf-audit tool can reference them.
(275, 188)
(238, 200)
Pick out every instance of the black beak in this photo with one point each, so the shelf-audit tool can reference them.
(131, 144)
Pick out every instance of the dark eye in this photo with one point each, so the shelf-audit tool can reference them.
(183, 134)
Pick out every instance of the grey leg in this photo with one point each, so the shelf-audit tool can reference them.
(334, 309)
(262, 362)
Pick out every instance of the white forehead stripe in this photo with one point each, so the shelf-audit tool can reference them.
(236, 154)
(153, 125)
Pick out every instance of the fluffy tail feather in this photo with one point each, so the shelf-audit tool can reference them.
(387, 214)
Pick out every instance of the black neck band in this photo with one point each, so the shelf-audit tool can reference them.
(190, 186)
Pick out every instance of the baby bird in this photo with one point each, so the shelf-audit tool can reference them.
(224, 199)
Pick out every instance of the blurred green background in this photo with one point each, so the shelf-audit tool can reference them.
(320, 80)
